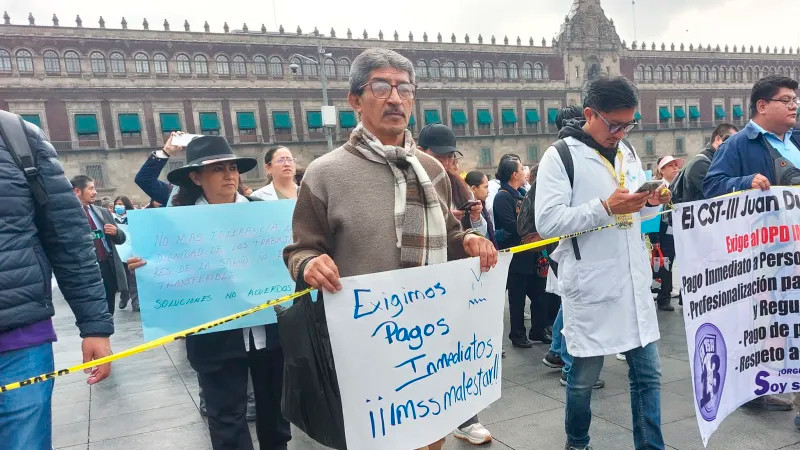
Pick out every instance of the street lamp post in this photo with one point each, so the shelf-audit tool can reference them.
(323, 77)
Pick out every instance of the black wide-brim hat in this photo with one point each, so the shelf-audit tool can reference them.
(206, 150)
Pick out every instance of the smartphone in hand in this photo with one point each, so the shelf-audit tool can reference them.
(468, 205)
(650, 186)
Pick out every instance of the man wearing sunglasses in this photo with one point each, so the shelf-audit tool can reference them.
(767, 151)
(604, 278)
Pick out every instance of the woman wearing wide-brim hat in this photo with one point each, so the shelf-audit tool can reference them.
(224, 359)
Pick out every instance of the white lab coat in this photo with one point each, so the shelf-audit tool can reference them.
(267, 193)
(607, 304)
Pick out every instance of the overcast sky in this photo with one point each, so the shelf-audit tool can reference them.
(689, 21)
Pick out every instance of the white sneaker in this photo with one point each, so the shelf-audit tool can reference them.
(620, 357)
(475, 434)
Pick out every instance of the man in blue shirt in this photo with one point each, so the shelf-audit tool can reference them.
(745, 161)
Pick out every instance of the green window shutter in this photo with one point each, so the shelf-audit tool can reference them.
(663, 113)
(412, 121)
(485, 158)
(246, 120)
(85, 124)
(484, 117)
(281, 120)
(170, 122)
(533, 153)
(129, 123)
(32, 118)
(694, 112)
(314, 119)
(737, 112)
(680, 113)
(719, 112)
(509, 117)
(532, 115)
(551, 115)
(209, 121)
(637, 116)
(458, 117)
(432, 116)
(347, 119)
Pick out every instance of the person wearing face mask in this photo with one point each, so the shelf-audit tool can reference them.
(224, 359)
(122, 205)
(280, 166)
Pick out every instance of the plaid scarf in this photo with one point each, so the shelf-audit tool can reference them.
(418, 218)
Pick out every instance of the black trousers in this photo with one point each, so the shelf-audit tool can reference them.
(225, 393)
(532, 286)
(109, 281)
(665, 273)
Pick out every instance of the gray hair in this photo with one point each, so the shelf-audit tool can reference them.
(106, 202)
(376, 58)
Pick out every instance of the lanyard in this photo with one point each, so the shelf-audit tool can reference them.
(611, 170)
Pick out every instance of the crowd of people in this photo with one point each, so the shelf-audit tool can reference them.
(590, 296)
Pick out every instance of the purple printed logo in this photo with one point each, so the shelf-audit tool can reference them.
(709, 369)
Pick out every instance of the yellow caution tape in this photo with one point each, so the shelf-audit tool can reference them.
(215, 323)
(553, 240)
(152, 344)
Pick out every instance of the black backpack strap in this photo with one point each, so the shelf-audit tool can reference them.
(12, 130)
(566, 158)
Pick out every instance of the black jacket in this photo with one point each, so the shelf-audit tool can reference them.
(696, 170)
(34, 246)
(505, 218)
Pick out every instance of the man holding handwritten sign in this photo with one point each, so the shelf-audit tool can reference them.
(395, 216)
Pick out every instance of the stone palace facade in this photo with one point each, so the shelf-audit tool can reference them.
(106, 97)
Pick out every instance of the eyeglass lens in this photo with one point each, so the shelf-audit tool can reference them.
(382, 89)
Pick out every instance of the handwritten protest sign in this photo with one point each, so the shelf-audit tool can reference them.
(417, 350)
(206, 262)
(739, 265)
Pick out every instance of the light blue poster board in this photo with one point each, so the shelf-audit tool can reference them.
(124, 250)
(210, 261)
(652, 225)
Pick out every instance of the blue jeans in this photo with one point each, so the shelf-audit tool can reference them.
(559, 345)
(645, 378)
(25, 412)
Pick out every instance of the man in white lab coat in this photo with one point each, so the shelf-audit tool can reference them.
(604, 281)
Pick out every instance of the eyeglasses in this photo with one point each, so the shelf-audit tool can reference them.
(283, 160)
(382, 89)
(614, 129)
(787, 102)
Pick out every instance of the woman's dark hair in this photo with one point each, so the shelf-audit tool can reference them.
(271, 153)
(187, 195)
(606, 94)
(767, 87)
(503, 158)
(566, 114)
(506, 169)
(474, 178)
(461, 192)
(125, 201)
